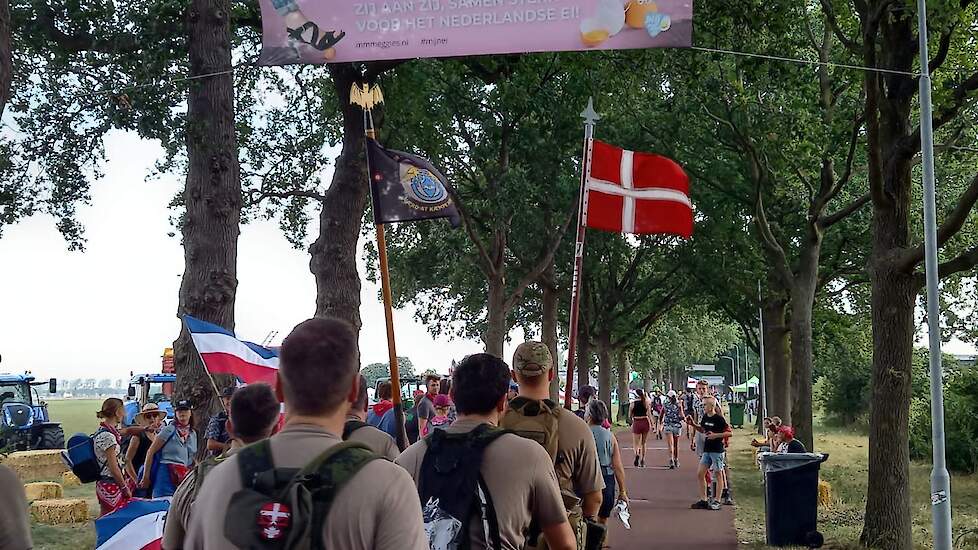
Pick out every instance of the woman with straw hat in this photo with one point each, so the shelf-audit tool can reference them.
(150, 418)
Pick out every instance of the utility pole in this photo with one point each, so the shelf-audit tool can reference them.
(940, 480)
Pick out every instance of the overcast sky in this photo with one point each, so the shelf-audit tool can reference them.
(112, 309)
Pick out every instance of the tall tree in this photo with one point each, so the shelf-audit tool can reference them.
(212, 192)
(882, 35)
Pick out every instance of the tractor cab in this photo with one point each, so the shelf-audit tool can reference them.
(24, 420)
(149, 388)
(409, 385)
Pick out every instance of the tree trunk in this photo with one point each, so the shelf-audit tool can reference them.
(604, 368)
(802, 370)
(333, 256)
(646, 383)
(212, 196)
(496, 319)
(776, 360)
(624, 367)
(548, 328)
(6, 55)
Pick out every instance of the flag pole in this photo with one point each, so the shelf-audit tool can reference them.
(590, 118)
(367, 99)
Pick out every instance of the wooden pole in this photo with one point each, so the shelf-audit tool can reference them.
(590, 117)
(385, 281)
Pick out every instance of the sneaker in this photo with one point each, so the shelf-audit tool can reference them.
(714, 505)
(701, 505)
(643, 463)
(727, 501)
(636, 461)
(677, 463)
(672, 464)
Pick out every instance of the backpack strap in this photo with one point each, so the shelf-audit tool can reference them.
(352, 426)
(253, 460)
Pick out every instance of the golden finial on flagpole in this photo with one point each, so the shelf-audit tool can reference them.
(366, 96)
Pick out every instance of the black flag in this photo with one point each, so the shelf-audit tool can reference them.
(407, 188)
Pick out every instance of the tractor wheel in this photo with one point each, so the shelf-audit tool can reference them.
(53, 438)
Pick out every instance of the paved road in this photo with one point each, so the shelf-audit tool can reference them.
(660, 499)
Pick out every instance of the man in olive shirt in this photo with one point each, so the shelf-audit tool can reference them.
(377, 509)
(253, 413)
(378, 441)
(15, 530)
(577, 464)
(517, 472)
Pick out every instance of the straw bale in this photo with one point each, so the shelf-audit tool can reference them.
(59, 511)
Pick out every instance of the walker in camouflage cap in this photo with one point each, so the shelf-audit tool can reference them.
(532, 359)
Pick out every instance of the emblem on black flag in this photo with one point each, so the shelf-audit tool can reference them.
(406, 187)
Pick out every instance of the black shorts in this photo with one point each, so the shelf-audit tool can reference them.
(608, 496)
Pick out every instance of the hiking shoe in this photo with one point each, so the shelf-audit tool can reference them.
(701, 505)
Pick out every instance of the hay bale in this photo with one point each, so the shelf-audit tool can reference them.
(69, 479)
(36, 465)
(59, 511)
(824, 493)
(43, 490)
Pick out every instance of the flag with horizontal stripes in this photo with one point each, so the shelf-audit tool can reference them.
(136, 526)
(641, 193)
(223, 353)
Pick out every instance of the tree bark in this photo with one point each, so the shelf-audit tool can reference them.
(212, 196)
(584, 357)
(548, 327)
(496, 318)
(604, 368)
(889, 102)
(776, 358)
(623, 368)
(802, 369)
(6, 55)
(333, 260)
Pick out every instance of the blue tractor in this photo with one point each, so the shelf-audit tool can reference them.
(25, 423)
(149, 388)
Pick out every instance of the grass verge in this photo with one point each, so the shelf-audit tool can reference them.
(846, 471)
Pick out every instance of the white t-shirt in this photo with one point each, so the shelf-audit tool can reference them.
(105, 440)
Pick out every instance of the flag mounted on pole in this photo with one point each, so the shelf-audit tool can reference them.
(640, 193)
(406, 187)
(223, 353)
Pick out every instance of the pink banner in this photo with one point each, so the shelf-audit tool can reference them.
(327, 31)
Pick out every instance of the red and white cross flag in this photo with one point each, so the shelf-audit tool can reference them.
(642, 193)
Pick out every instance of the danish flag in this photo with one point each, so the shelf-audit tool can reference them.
(643, 193)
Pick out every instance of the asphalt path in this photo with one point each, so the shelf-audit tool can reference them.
(660, 501)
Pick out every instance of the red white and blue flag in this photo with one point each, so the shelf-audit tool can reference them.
(136, 526)
(222, 353)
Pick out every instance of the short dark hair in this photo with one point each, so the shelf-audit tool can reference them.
(384, 390)
(361, 403)
(254, 411)
(431, 377)
(479, 382)
(317, 362)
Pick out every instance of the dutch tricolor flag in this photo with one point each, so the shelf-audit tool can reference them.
(222, 353)
(136, 526)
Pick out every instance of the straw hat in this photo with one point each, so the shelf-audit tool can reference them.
(148, 410)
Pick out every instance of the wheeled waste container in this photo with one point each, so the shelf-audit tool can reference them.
(737, 415)
(791, 498)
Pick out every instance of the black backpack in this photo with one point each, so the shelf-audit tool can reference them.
(285, 508)
(452, 489)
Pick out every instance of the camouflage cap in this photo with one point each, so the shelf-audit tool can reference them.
(532, 359)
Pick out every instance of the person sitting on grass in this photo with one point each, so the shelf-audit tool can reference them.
(787, 442)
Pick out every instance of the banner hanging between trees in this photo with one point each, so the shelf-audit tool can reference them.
(317, 31)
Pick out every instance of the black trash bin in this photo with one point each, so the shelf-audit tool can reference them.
(791, 498)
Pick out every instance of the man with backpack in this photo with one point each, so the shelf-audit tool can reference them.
(357, 428)
(304, 488)
(481, 487)
(252, 415)
(566, 438)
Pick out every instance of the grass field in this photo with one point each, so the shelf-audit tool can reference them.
(846, 471)
(75, 415)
